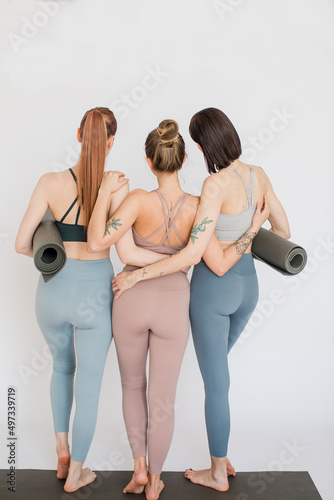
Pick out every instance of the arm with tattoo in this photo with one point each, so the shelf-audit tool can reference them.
(199, 239)
(243, 243)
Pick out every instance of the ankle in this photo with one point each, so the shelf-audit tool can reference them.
(140, 464)
(75, 469)
(62, 441)
(218, 466)
(153, 478)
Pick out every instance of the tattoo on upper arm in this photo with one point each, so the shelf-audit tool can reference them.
(199, 228)
(243, 243)
(114, 223)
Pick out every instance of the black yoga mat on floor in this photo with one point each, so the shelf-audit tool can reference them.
(280, 254)
(43, 484)
(48, 248)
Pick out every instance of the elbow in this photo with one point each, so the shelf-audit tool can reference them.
(195, 259)
(19, 248)
(285, 234)
(92, 247)
(220, 272)
(124, 260)
(123, 257)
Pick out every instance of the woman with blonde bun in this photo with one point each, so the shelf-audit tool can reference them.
(153, 317)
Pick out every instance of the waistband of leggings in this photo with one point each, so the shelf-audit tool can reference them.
(170, 282)
(86, 270)
(245, 265)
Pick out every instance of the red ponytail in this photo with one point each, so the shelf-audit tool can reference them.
(96, 128)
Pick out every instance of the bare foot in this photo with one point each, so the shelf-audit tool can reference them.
(85, 476)
(64, 459)
(153, 489)
(206, 477)
(137, 483)
(230, 469)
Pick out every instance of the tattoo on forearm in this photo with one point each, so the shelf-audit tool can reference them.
(199, 228)
(144, 272)
(243, 243)
(161, 273)
(114, 223)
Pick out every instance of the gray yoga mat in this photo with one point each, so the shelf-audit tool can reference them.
(48, 248)
(280, 254)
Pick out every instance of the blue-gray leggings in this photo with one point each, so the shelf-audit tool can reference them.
(220, 308)
(74, 314)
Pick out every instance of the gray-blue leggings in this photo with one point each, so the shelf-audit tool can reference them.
(220, 308)
(74, 314)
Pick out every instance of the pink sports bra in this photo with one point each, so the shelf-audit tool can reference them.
(171, 216)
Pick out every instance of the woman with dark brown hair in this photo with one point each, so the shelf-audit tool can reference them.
(224, 290)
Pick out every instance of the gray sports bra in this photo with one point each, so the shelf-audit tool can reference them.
(231, 226)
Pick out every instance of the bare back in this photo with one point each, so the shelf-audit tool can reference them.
(157, 209)
(234, 185)
(61, 191)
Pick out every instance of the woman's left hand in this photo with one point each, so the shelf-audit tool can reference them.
(112, 181)
(122, 282)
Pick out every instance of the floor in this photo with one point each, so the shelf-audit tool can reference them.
(43, 484)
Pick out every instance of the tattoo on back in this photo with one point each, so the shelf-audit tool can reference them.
(199, 228)
(243, 243)
(114, 223)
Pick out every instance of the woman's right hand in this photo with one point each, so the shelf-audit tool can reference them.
(261, 214)
(113, 181)
(123, 281)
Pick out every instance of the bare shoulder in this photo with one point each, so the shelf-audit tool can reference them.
(193, 201)
(215, 187)
(138, 196)
(50, 181)
(261, 177)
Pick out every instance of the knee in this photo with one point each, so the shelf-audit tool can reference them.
(63, 368)
(134, 384)
(217, 386)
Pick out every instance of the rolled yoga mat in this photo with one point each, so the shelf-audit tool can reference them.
(280, 254)
(48, 248)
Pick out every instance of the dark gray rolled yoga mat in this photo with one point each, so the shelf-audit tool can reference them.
(280, 254)
(48, 248)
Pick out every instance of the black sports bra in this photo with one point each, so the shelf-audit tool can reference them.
(72, 232)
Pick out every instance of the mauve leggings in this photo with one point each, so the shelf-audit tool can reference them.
(153, 316)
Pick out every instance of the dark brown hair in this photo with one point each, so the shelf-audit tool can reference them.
(97, 126)
(165, 147)
(215, 133)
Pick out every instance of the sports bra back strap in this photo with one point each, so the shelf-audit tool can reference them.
(251, 186)
(68, 211)
(73, 175)
(77, 217)
(166, 210)
(246, 187)
(181, 202)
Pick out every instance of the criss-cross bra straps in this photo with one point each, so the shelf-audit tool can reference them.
(250, 189)
(74, 202)
(170, 218)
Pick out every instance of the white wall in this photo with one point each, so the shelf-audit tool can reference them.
(253, 59)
